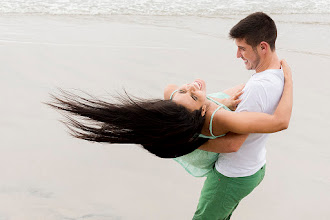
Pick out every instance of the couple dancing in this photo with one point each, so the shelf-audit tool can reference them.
(221, 136)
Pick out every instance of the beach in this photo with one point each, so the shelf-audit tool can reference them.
(47, 174)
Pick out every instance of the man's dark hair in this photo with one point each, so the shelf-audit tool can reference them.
(255, 28)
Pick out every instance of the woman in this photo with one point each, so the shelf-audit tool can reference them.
(168, 128)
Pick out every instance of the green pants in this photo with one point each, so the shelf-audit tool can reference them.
(220, 194)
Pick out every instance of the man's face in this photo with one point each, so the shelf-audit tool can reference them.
(249, 55)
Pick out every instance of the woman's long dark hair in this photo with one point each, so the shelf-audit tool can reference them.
(162, 127)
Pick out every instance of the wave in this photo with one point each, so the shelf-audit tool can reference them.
(163, 7)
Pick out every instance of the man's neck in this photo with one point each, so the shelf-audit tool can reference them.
(270, 61)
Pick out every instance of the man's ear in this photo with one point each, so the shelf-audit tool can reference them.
(264, 47)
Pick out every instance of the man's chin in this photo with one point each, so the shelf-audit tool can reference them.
(248, 67)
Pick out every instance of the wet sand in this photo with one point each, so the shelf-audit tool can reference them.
(47, 174)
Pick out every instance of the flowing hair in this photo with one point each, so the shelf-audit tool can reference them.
(162, 127)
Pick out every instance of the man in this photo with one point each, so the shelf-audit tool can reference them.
(241, 167)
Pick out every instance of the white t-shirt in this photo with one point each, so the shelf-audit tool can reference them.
(261, 94)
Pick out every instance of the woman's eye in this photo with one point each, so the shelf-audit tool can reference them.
(181, 91)
(194, 97)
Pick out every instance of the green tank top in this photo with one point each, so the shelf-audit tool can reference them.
(199, 162)
(209, 97)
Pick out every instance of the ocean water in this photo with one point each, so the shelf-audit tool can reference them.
(294, 16)
(163, 7)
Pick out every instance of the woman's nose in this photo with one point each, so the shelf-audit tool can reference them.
(190, 87)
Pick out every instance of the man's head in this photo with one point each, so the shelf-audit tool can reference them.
(255, 37)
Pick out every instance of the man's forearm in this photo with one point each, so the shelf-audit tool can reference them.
(227, 144)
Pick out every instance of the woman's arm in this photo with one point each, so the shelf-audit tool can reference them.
(253, 122)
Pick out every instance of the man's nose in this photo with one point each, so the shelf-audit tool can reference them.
(238, 54)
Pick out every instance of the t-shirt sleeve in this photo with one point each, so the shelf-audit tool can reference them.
(253, 98)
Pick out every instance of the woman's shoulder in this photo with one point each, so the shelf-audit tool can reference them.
(214, 116)
(169, 89)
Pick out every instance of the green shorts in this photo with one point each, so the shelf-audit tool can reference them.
(220, 194)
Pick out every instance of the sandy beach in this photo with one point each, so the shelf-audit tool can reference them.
(47, 174)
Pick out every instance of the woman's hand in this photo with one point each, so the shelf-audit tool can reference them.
(234, 100)
(232, 91)
(286, 70)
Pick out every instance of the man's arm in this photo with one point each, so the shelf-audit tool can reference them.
(226, 144)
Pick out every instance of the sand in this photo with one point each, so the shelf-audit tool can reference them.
(47, 174)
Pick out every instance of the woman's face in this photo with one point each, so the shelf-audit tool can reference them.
(192, 95)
